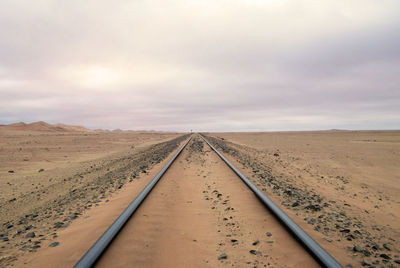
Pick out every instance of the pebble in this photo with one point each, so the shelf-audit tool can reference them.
(366, 263)
(386, 246)
(255, 252)
(58, 224)
(366, 253)
(54, 244)
(222, 256)
(30, 235)
(384, 256)
(268, 234)
(256, 242)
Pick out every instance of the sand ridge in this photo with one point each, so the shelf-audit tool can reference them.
(43, 127)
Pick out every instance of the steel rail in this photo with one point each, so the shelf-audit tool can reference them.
(319, 254)
(94, 253)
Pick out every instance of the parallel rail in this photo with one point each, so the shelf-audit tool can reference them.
(319, 254)
(95, 252)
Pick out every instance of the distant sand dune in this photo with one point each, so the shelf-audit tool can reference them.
(44, 127)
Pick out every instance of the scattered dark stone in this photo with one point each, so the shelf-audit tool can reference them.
(397, 261)
(349, 265)
(256, 242)
(313, 207)
(376, 247)
(255, 252)
(386, 246)
(384, 256)
(357, 249)
(233, 240)
(312, 221)
(54, 244)
(296, 204)
(9, 226)
(58, 225)
(345, 231)
(276, 154)
(268, 234)
(41, 170)
(11, 171)
(223, 256)
(366, 263)
(30, 235)
(366, 253)
(24, 247)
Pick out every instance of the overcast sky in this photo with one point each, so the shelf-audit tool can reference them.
(231, 65)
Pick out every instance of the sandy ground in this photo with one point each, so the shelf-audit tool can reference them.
(197, 212)
(48, 179)
(343, 187)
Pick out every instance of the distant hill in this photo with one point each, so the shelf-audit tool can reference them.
(43, 127)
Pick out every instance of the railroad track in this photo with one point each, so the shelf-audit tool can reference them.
(115, 233)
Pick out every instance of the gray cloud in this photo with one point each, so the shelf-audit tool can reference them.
(203, 65)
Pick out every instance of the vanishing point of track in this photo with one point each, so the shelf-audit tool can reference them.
(102, 244)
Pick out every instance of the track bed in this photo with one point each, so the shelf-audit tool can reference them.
(199, 211)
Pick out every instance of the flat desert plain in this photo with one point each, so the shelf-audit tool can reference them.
(343, 187)
(49, 177)
(60, 188)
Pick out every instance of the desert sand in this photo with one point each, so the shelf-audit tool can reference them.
(48, 178)
(67, 187)
(342, 187)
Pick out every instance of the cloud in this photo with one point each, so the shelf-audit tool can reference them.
(206, 65)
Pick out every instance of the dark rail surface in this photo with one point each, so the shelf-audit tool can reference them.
(319, 254)
(104, 241)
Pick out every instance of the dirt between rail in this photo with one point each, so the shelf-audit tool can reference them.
(358, 223)
(32, 220)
